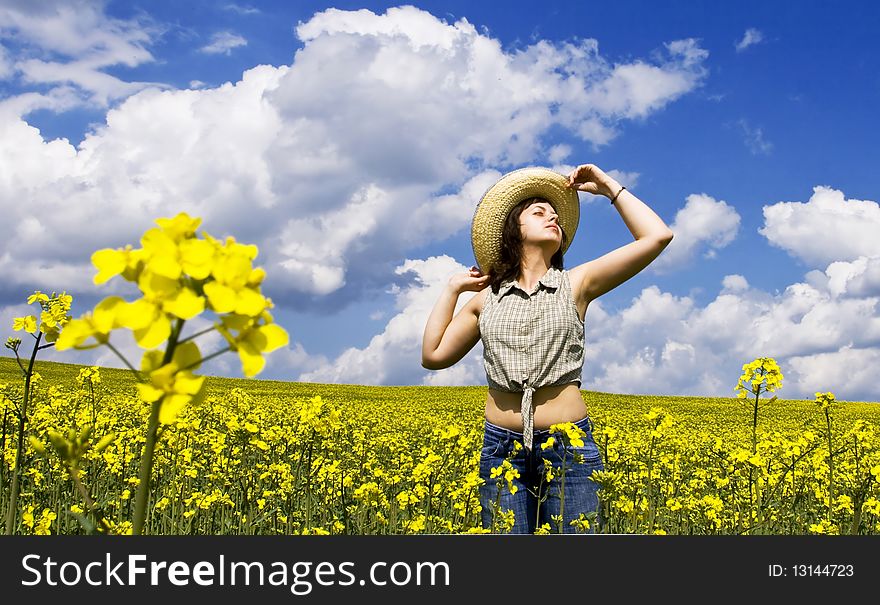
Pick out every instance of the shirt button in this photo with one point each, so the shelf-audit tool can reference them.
(525, 329)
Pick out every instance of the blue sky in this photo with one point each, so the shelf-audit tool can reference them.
(351, 142)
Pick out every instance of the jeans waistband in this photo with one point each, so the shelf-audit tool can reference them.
(584, 424)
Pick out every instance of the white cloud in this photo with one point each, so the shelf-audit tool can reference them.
(80, 41)
(754, 139)
(664, 344)
(558, 153)
(395, 355)
(859, 278)
(637, 89)
(335, 178)
(242, 9)
(734, 283)
(628, 179)
(825, 229)
(222, 43)
(846, 370)
(704, 225)
(751, 37)
(57, 99)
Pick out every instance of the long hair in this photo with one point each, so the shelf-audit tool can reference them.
(509, 264)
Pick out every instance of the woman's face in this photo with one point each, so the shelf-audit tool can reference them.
(539, 222)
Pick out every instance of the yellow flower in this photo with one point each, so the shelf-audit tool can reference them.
(581, 524)
(235, 288)
(180, 227)
(171, 383)
(253, 339)
(27, 517)
(571, 433)
(97, 325)
(111, 262)
(825, 400)
(763, 371)
(27, 323)
(37, 296)
(149, 317)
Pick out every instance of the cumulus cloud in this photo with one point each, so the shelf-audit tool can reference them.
(859, 278)
(664, 344)
(751, 37)
(72, 43)
(825, 229)
(848, 370)
(222, 43)
(734, 283)
(395, 355)
(705, 225)
(334, 178)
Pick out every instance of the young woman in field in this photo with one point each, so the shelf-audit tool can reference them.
(529, 313)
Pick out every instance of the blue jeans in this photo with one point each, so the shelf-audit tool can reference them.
(581, 492)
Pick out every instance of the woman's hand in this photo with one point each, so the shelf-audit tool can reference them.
(472, 281)
(592, 179)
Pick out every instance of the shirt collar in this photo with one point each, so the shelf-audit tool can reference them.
(550, 280)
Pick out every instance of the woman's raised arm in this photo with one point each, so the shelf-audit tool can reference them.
(599, 276)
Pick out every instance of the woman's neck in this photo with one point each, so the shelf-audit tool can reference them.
(530, 273)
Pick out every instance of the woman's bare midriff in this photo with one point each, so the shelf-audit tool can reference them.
(553, 404)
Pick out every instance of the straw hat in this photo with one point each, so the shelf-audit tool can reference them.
(511, 189)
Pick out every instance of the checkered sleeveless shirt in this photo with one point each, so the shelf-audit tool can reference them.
(532, 339)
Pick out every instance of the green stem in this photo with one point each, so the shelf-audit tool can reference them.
(204, 359)
(18, 359)
(755, 423)
(22, 420)
(146, 466)
(650, 486)
(830, 469)
(197, 334)
(137, 374)
(87, 499)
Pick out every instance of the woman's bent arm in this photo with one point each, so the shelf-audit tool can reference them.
(447, 340)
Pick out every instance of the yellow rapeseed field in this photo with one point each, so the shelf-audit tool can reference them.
(268, 457)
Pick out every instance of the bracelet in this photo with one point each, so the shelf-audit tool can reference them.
(614, 199)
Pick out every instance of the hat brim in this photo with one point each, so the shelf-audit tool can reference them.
(512, 188)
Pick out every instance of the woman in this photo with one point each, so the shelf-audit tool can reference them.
(529, 313)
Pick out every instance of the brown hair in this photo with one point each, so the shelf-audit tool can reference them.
(509, 264)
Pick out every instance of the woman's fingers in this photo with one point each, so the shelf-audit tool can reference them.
(580, 174)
